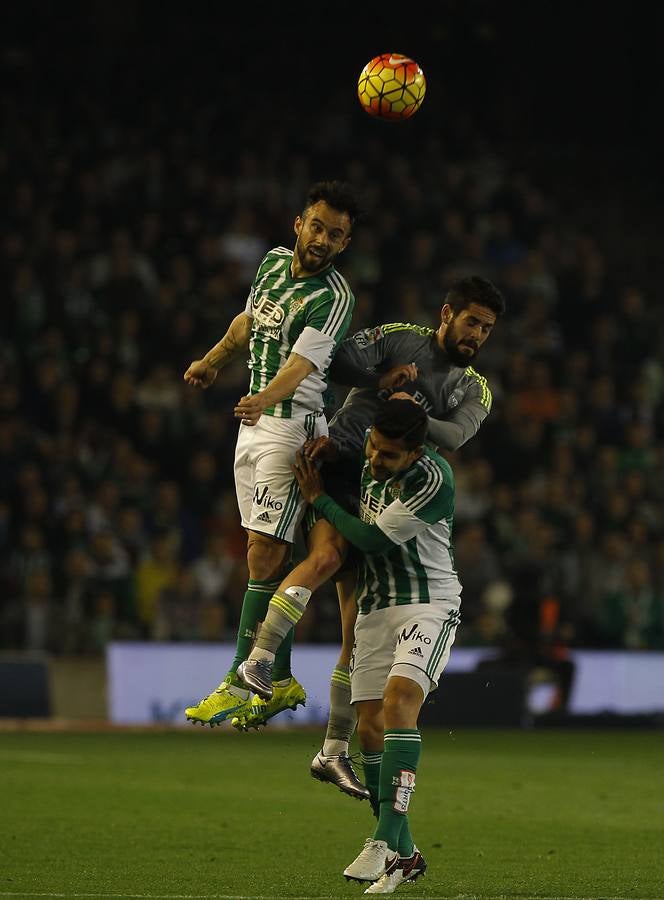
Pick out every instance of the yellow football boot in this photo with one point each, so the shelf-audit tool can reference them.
(287, 694)
(226, 701)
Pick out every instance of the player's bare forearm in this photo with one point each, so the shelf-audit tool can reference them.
(203, 372)
(283, 385)
(234, 342)
(286, 381)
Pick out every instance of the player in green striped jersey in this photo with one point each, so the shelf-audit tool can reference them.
(298, 311)
(408, 599)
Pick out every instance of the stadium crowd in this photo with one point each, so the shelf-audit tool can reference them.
(130, 243)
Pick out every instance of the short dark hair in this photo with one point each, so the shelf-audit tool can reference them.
(475, 289)
(339, 195)
(404, 420)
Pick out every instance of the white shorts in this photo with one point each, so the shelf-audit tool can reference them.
(268, 496)
(412, 641)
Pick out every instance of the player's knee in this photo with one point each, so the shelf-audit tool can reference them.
(402, 702)
(326, 560)
(266, 559)
(369, 732)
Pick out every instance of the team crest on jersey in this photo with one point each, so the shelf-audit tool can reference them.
(455, 398)
(368, 336)
(395, 490)
(296, 305)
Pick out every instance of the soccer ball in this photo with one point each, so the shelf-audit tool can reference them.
(391, 86)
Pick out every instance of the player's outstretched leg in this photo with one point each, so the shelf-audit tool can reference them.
(286, 608)
(231, 697)
(332, 762)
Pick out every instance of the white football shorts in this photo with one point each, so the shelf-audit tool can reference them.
(268, 496)
(412, 641)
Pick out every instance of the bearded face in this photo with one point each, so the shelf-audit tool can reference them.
(465, 332)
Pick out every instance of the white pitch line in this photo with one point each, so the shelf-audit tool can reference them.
(323, 896)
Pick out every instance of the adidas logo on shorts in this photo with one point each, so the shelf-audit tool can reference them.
(264, 518)
(416, 652)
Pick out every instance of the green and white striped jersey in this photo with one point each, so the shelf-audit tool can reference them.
(415, 510)
(309, 316)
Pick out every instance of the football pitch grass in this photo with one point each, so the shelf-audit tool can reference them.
(200, 813)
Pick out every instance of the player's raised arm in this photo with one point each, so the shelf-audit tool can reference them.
(375, 358)
(203, 372)
(354, 364)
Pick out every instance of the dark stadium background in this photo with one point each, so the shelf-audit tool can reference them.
(140, 134)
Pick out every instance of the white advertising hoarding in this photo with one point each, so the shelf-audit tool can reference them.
(154, 682)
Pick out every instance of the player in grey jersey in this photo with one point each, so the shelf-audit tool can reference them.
(432, 367)
(437, 377)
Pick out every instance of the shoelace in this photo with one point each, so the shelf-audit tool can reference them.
(264, 667)
(355, 758)
(222, 687)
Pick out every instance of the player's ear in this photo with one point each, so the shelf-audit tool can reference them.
(297, 226)
(446, 314)
(345, 244)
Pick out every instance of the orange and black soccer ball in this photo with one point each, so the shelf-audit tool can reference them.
(391, 86)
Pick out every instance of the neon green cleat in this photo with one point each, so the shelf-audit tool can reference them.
(287, 695)
(224, 702)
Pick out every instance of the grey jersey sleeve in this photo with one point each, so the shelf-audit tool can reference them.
(363, 357)
(462, 423)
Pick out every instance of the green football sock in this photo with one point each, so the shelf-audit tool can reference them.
(371, 764)
(254, 610)
(406, 842)
(282, 658)
(397, 783)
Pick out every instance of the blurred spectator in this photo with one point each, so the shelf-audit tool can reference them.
(213, 570)
(29, 556)
(40, 613)
(633, 615)
(479, 568)
(202, 484)
(75, 602)
(110, 573)
(127, 248)
(155, 572)
(183, 613)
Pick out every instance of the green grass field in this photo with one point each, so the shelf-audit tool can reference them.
(201, 813)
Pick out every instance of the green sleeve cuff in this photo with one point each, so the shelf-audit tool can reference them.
(367, 538)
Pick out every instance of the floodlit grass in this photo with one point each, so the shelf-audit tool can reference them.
(199, 812)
